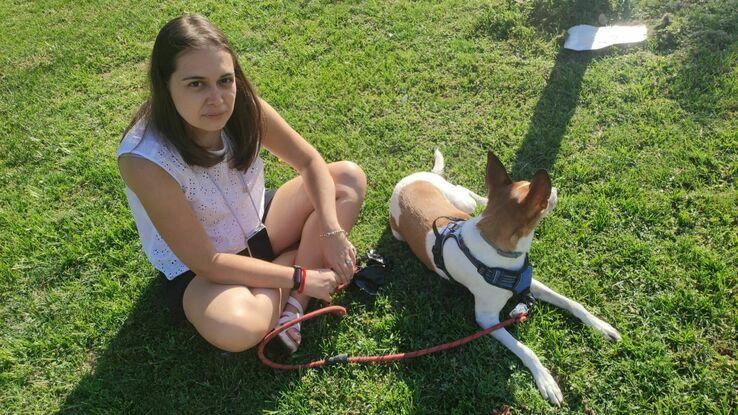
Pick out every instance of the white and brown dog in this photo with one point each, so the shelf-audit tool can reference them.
(489, 254)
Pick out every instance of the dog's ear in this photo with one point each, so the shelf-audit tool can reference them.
(497, 176)
(540, 190)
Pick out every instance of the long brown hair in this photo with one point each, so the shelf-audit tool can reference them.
(244, 128)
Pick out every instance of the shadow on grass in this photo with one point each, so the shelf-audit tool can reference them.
(547, 19)
(552, 114)
(151, 367)
(559, 99)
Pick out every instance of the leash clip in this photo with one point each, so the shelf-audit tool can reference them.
(525, 305)
(519, 309)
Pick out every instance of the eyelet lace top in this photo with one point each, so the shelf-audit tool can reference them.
(199, 186)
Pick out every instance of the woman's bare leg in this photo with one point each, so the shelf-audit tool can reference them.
(234, 317)
(291, 206)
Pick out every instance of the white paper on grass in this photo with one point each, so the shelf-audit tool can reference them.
(586, 37)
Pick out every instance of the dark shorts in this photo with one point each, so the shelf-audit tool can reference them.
(174, 289)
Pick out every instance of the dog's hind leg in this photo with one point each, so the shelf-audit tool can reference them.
(544, 381)
(462, 198)
(541, 292)
(480, 199)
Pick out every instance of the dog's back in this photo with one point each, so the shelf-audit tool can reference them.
(416, 220)
(419, 199)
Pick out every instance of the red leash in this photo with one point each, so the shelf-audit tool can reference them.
(368, 359)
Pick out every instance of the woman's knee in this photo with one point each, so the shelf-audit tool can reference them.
(230, 318)
(245, 332)
(349, 178)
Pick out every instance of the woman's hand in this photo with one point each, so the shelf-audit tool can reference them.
(340, 254)
(321, 283)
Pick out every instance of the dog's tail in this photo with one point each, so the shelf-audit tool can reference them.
(439, 164)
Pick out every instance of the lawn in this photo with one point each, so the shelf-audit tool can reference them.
(641, 142)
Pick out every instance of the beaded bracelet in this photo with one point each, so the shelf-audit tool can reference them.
(331, 233)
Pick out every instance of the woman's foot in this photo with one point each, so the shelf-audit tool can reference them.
(291, 337)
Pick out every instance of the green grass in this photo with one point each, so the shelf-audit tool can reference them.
(641, 143)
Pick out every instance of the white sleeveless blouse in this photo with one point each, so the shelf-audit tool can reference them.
(205, 189)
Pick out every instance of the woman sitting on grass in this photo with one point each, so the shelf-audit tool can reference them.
(195, 185)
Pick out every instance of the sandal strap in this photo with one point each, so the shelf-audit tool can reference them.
(293, 301)
(288, 336)
(286, 317)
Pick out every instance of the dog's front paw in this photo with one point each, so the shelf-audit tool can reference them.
(607, 330)
(548, 386)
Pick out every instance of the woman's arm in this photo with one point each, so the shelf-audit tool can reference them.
(285, 143)
(169, 211)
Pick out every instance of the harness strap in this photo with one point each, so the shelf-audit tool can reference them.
(516, 281)
(437, 249)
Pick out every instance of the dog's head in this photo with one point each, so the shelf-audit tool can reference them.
(514, 208)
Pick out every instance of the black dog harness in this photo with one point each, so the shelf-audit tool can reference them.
(516, 281)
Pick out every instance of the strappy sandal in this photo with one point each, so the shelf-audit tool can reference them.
(288, 338)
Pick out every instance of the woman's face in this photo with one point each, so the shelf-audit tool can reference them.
(203, 88)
